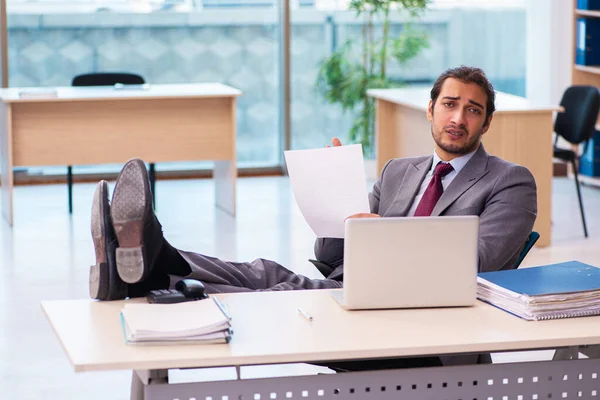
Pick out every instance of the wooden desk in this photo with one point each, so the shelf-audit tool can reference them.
(90, 333)
(96, 125)
(520, 132)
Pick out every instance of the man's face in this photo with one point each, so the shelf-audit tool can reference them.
(458, 118)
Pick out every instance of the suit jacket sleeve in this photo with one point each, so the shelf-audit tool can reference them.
(331, 250)
(507, 219)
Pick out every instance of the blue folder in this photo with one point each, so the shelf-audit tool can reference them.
(588, 41)
(566, 277)
(588, 4)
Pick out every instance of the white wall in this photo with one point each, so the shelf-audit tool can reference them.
(549, 49)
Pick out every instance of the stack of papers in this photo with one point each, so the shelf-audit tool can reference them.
(201, 321)
(38, 93)
(565, 290)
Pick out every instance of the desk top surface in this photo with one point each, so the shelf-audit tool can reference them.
(418, 98)
(268, 329)
(83, 93)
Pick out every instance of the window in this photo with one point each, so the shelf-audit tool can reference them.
(236, 42)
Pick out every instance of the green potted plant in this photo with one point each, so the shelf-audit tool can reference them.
(347, 73)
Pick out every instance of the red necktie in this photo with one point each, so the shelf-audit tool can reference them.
(434, 190)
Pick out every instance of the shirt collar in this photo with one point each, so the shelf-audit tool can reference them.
(458, 163)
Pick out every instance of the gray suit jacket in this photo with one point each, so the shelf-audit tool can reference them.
(502, 194)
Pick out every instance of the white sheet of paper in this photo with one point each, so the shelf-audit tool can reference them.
(329, 184)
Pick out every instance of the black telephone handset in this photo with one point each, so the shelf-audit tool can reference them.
(185, 290)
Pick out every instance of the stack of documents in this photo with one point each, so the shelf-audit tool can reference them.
(201, 321)
(565, 290)
(38, 93)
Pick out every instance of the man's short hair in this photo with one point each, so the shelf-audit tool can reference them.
(467, 75)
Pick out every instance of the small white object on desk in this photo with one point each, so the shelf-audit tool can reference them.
(306, 315)
(121, 86)
(38, 93)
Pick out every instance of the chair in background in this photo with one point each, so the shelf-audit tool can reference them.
(107, 79)
(576, 125)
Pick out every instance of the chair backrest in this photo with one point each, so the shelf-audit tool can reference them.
(582, 104)
(533, 237)
(107, 79)
(323, 268)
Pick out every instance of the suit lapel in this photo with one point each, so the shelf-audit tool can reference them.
(475, 169)
(411, 182)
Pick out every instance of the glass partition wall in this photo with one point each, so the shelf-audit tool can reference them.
(486, 33)
(244, 44)
(170, 41)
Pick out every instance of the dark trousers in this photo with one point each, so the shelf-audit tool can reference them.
(221, 276)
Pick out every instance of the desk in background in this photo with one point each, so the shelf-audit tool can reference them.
(97, 125)
(520, 132)
(91, 335)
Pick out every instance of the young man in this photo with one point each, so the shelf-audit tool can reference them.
(460, 178)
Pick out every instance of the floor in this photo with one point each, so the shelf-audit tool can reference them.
(46, 255)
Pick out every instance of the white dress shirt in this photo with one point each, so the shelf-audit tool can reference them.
(458, 163)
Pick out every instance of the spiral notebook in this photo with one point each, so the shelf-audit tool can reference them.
(564, 290)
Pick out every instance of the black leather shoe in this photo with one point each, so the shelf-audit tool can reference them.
(105, 283)
(137, 229)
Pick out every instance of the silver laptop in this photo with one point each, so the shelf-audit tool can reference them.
(409, 262)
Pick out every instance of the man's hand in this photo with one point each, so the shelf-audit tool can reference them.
(364, 215)
(336, 142)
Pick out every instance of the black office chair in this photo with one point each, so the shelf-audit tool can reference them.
(107, 79)
(576, 125)
(531, 239)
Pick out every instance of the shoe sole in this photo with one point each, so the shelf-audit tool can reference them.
(129, 209)
(98, 285)
(104, 284)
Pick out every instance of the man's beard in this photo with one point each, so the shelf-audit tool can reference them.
(457, 149)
